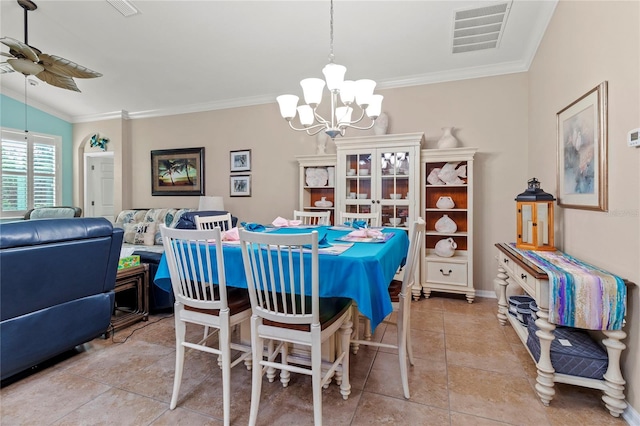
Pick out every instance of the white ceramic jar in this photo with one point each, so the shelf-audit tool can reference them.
(445, 203)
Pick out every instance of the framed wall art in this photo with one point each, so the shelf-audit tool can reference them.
(240, 186)
(582, 152)
(177, 171)
(241, 161)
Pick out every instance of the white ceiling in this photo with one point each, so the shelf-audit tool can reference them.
(184, 56)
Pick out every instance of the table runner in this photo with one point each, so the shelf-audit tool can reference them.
(580, 295)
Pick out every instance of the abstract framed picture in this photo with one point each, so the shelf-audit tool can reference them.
(241, 161)
(240, 185)
(177, 171)
(582, 152)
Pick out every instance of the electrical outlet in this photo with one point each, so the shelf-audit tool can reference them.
(633, 138)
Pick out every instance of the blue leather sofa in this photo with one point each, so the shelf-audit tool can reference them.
(56, 287)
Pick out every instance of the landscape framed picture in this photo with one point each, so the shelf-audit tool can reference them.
(582, 152)
(241, 161)
(177, 171)
(240, 186)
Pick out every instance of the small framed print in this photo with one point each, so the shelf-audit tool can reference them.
(241, 186)
(241, 161)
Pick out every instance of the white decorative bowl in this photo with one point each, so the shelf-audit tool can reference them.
(395, 196)
(362, 196)
(364, 172)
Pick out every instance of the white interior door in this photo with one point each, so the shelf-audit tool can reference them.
(99, 186)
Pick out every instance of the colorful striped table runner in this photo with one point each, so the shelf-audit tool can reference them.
(580, 295)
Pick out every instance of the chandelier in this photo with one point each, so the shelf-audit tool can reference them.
(360, 91)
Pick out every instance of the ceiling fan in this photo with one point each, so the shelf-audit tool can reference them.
(51, 69)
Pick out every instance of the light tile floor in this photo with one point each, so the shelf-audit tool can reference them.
(469, 371)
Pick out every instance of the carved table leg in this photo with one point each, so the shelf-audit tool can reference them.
(544, 385)
(416, 291)
(614, 394)
(501, 286)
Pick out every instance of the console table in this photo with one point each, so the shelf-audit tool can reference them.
(514, 268)
(132, 297)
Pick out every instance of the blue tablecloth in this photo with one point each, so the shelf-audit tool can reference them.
(361, 273)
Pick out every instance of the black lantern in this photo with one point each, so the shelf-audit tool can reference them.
(535, 218)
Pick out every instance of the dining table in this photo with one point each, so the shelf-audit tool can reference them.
(357, 268)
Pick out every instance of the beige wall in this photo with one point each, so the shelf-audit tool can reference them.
(587, 43)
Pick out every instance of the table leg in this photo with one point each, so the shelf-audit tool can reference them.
(416, 290)
(614, 394)
(544, 385)
(501, 284)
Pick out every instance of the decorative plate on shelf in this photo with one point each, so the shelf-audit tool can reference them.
(316, 176)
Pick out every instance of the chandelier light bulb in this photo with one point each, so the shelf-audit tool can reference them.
(375, 106)
(312, 89)
(348, 92)
(334, 74)
(305, 112)
(364, 91)
(343, 114)
(287, 105)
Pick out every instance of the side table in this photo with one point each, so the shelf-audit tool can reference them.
(514, 268)
(132, 297)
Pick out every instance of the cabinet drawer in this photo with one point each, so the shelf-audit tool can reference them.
(447, 273)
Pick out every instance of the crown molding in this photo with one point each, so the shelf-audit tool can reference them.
(35, 104)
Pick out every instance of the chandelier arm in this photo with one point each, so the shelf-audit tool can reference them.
(305, 129)
(373, 122)
(316, 132)
(359, 118)
(320, 119)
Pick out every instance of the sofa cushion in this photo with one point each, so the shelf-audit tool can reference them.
(169, 217)
(130, 216)
(188, 221)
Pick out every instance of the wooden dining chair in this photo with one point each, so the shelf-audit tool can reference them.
(282, 276)
(400, 292)
(313, 218)
(209, 222)
(199, 286)
(372, 219)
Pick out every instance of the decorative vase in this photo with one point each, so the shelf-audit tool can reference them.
(447, 140)
(445, 203)
(332, 175)
(323, 203)
(321, 143)
(381, 124)
(446, 224)
(446, 247)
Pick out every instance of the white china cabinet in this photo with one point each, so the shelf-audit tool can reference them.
(380, 174)
(317, 183)
(447, 195)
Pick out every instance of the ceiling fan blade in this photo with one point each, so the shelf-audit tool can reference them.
(7, 55)
(58, 80)
(20, 48)
(65, 67)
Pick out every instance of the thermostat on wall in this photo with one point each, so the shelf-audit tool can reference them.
(633, 138)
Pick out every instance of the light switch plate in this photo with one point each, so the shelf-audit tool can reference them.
(633, 138)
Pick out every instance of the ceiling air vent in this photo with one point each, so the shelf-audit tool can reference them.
(479, 28)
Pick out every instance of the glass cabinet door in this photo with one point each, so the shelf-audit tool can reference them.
(394, 187)
(359, 188)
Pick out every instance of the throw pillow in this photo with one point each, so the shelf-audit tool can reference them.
(145, 234)
(130, 230)
(150, 234)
